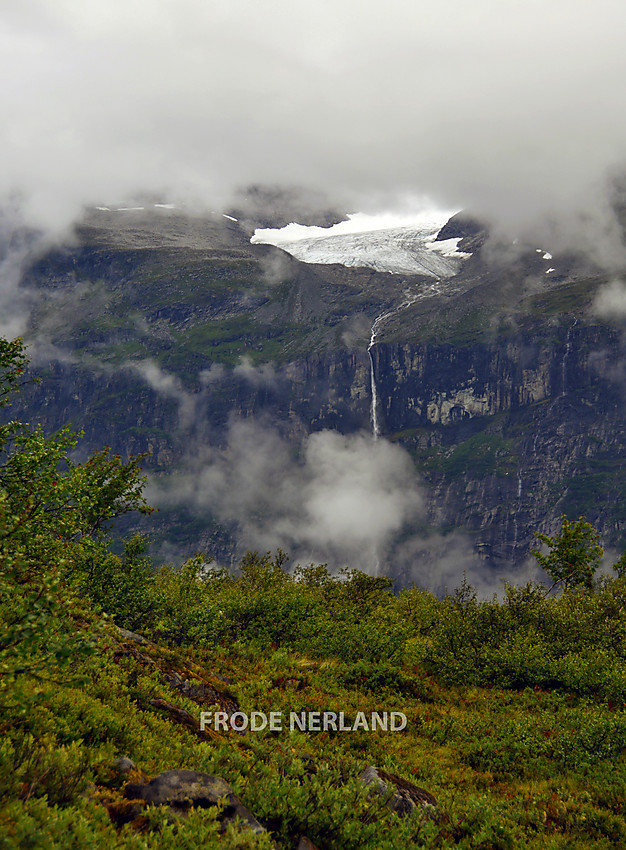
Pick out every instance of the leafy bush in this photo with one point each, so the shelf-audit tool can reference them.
(53, 515)
(574, 553)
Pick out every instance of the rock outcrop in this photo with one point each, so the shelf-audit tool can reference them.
(179, 790)
(401, 796)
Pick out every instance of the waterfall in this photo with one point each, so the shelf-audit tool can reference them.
(519, 505)
(568, 348)
(409, 299)
(373, 333)
(374, 401)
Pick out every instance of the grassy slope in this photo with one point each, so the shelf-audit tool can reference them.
(516, 717)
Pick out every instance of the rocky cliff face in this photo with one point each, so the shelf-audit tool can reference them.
(507, 391)
(512, 433)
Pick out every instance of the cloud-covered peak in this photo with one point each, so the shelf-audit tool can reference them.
(512, 110)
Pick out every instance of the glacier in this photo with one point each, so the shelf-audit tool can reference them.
(385, 243)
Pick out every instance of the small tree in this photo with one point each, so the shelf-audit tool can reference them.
(574, 553)
(54, 513)
(620, 566)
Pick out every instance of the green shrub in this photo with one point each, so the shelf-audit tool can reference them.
(574, 553)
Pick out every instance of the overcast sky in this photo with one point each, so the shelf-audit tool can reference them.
(513, 107)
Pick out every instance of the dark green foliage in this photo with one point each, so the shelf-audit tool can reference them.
(53, 513)
(307, 610)
(576, 642)
(620, 566)
(121, 587)
(377, 677)
(12, 365)
(574, 553)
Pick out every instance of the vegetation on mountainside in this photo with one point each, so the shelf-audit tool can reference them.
(162, 289)
(481, 454)
(569, 298)
(516, 708)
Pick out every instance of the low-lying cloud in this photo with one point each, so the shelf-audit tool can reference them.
(19, 246)
(170, 386)
(342, 500)
(441, 563)
(610, 302)
(260, 375)
(512, 110)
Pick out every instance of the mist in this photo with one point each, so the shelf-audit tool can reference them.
(511, 110)
(342, 500)
(610, 301)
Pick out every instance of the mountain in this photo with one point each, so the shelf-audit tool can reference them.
(497, 382)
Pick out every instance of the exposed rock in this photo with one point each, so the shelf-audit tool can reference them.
(512, 432)
(306, 844)
(124, 765)
(182, 789)
(135, 638)
(404, 797)
(179, 715)
(465, 227)
(90, 791)
(130, 651)
(290, 684)
(272, 206)
(503, 352)
(201, 692)
(190, 685)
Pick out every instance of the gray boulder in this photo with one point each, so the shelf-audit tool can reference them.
(182, 789)
(403, 797)
(124, 765)
(306, 844)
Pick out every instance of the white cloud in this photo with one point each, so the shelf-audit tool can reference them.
(170, 386)
(213, 375)
(343, 501)
(610, 302)
(263, 374)
(511, 109)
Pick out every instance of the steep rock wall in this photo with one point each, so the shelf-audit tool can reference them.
(506, 435)
(510, 434)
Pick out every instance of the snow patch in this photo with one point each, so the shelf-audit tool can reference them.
(550, 270)
(429, 220)
(547, 256)
(229, 217)
(388, 242)
(166, 206)
(447, 247)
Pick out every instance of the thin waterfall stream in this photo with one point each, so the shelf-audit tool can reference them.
(568, 348)
(433, 289)
(409, 298)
